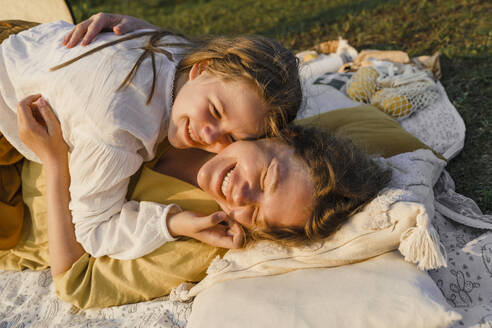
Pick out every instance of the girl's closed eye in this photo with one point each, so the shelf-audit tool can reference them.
(218, 116)
(231, 138)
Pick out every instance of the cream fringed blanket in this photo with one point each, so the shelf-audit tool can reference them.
(398, 218)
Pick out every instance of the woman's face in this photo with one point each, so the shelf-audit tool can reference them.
(260, 184)
(211, 113)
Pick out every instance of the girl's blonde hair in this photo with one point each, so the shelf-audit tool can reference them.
(265, 63)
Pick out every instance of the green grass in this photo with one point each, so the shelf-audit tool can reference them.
(460, 29)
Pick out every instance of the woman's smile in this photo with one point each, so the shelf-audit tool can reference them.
(225, 182)
(259, 181)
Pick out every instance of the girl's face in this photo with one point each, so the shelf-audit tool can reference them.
(260, 184)
(211, 113)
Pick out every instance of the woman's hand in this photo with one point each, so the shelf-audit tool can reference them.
(216, 229)
(91, 27)
(40, 130)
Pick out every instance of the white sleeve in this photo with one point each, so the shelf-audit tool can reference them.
(105, 223)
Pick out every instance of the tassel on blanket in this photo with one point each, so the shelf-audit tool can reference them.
(421, 244)
(181, 293)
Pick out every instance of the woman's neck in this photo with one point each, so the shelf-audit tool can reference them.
(183, 164)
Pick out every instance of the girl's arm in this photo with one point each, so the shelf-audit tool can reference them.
(91, 27)
(40, 130)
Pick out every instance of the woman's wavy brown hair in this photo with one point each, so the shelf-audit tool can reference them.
(345, 179)
(262, 62)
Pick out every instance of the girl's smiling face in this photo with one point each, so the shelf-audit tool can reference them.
(260, 184)
(210, 112)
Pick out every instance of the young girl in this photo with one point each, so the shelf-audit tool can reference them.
(118, 103)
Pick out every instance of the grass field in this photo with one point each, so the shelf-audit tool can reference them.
(460, 29)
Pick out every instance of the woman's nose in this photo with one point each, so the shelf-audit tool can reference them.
(242, 194)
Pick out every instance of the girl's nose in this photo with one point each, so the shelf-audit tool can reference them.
(212, 135)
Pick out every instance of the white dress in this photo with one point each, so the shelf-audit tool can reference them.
(109, 133)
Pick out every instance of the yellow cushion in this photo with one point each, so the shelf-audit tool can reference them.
(31, 252)
(369, 128)
(11, 205)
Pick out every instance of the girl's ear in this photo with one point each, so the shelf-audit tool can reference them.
(197, 69)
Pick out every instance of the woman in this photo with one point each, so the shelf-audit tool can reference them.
(296, 188)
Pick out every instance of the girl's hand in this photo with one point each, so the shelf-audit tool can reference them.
(216, 229)
(90, 28)
(39, 129)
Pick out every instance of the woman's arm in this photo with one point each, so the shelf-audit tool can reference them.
(40, 130)
(91, 27)
(64, 248)
(139, 227)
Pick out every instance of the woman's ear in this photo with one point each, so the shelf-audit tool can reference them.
(197, 69)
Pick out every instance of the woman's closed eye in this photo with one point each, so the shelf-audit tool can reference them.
(254, 218)
(256, 212)
(262, 178)
(215, 112)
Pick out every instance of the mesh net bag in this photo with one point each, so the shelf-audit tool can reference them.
(397, 94)
(401, 101)
(363, 84)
